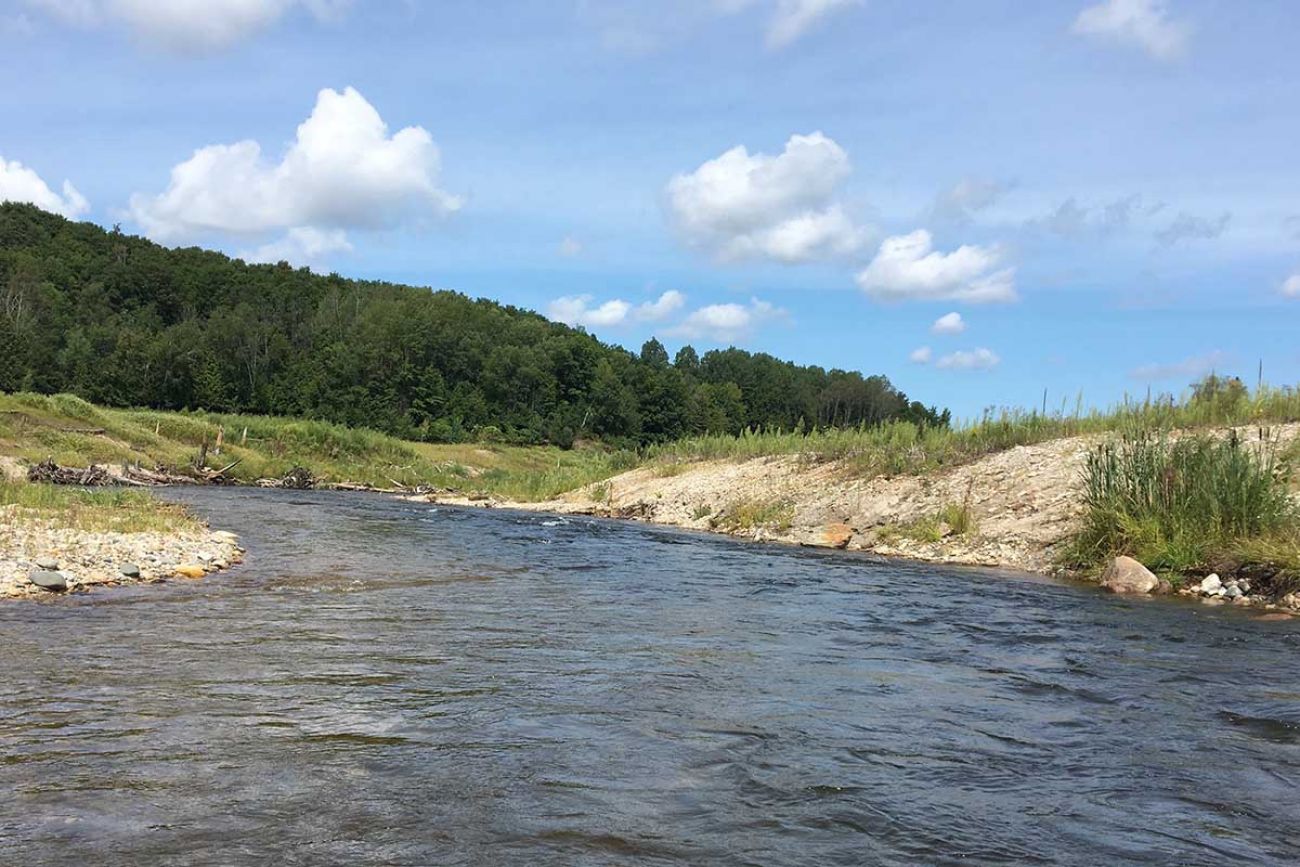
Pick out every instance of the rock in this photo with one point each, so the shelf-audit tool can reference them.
(837, 535)
(129, 570)
(1165, 587)
(1126, 575)
(1211, 585)
(1240, 600)
(1232, 592)
(55, 582)
(190, 570)
(1243, 585)
(47, 564)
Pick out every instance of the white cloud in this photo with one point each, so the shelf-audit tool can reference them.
(1291, 288)
(727, 322)
(302, 245)
(1142, 23)
(920, 355)
(975, 359)
(743, 206)
(907, 267)
(949, 323)
(569, 247)
(185, 25)
(662, 308)
(576, 310)
(18, 183)
(794, 18)
(1189, 368)
(343, 171)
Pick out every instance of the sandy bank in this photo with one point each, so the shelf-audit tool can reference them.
(1024, 504)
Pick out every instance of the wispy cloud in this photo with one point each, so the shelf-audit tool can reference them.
(974, 359)
(1144, 24)
(1189, 368)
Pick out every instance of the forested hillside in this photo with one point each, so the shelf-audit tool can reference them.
(120, 320)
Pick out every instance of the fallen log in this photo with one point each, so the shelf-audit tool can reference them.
(50, 473)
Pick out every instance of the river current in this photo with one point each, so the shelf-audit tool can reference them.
(393, 683)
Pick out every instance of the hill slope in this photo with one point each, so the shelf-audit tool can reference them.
(121, 321)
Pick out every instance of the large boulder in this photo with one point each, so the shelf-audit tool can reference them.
(55, 582)
(1126, 575)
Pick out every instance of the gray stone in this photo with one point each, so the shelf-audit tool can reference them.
(1233, 592)
(1211, 585)
(47, 564)
(55, 582)
(1126, 575)
(1243, 585)
(130, 570)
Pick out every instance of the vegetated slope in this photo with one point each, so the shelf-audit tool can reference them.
(121, 321)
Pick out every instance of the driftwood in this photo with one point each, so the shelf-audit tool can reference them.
(297, 479)
(50, 473)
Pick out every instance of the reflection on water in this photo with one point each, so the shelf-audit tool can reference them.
(390, 683)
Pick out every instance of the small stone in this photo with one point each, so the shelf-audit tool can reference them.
(47, 564)
(204, 557)
(1233, 592)
(1240, 600)
(1243, 585)
(1165, 587)
(1126, 575)
(130, 570)
(1211, 585)
(190, 571)
(55, 582)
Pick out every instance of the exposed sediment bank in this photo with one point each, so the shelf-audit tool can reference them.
(39, 548)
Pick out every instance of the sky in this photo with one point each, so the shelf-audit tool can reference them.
(994, 203)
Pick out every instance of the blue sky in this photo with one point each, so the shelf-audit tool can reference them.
(1104, 192)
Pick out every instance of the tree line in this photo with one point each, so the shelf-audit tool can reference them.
(122, 321)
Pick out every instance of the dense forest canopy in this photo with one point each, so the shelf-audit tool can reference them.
(120, 320)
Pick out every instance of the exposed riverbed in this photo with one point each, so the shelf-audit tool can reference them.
(388, 682)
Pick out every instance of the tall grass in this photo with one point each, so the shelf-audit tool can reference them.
(903, 447)
(1186, 504)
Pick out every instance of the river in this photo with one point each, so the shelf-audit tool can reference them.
(392, 683)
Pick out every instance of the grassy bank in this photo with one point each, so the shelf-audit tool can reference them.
(102, 510)
(1193, 504)
(75, 433)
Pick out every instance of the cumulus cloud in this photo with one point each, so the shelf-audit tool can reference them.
(1144, 24)
(727, 322)
(1291, 286)
(794, 18)
(343, 171)
(184, 25)
(581, 310)
(661, 308)
(757, 206)
(1189, 227)
(576, 310)
(975, 359)
(569, 247)
(949, 323)
(920, 355)
(1190, 368)
(18, 183)
(907, 267)
(302, 245)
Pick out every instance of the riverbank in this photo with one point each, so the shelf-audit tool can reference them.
(1015, 509)
(67, 540)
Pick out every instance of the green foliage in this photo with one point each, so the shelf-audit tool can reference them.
(1187, 504)
(745, 515)
(120, 321)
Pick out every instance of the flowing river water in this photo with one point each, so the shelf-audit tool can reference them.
(391, 683)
